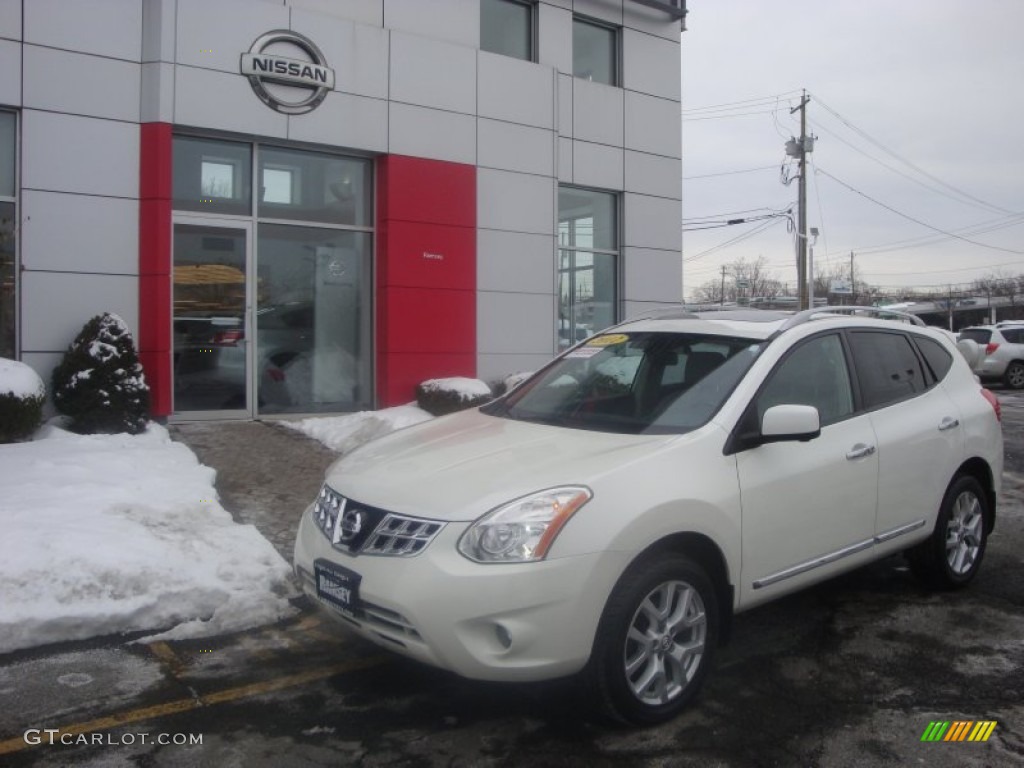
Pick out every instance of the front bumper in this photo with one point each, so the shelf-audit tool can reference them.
(529, 621)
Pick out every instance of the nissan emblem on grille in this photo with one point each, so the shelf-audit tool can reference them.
(351, 524)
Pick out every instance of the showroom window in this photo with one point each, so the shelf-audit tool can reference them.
(8, 231)
(595, 51)
(506, 27)
(588, 255)
(272, 289)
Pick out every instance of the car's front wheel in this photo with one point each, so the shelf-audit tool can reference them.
(655, 641)
(952, 555)
(1014, 376)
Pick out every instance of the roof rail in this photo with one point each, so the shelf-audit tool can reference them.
(877, 312)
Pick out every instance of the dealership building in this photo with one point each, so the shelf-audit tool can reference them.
(311, 206)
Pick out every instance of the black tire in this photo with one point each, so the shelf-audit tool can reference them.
(679, 653)
(1014, 376)
(952, 555)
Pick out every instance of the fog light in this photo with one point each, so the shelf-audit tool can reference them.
(503, 635)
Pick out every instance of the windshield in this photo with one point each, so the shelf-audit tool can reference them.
(634, 383)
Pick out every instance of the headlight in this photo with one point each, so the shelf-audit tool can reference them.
(523, 530)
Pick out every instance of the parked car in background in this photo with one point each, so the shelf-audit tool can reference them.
(610, 515)
(1003, 352)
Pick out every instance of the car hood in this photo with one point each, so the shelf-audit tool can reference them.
(461, 466)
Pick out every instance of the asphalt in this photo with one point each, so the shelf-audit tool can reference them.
(266, 473)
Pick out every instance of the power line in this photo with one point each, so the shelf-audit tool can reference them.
(730, 173)
(743, 103)
(732, 241)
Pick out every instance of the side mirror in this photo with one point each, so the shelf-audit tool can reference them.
(782, 423)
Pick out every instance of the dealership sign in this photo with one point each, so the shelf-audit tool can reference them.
(283, 82)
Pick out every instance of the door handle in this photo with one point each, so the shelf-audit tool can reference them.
(859, 451)
(948, 423)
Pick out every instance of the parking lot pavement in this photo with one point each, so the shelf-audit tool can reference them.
(848, 673)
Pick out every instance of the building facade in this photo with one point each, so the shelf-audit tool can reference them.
(311, 206)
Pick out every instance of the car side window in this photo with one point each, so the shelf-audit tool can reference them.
(1013, 335)
(814, 373)
(887, 367)
(938, 359)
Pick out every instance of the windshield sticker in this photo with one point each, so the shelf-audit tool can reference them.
(608, 340)
(586, 351)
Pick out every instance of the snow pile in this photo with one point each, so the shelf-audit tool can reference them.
(19, 380)
(115, 533)
(346, 433)
(467, 389)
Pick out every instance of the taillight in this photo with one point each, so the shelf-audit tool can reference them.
(227, 338)
(991, 347)
(994, 402)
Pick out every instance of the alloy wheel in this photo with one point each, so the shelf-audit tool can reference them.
(964, 533)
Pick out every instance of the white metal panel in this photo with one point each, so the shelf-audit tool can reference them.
(104, 27)
(222, 101)
(651, 65)
(565, 161)
(157, 93)
(637, 308)
(10, 19)
(603, 10)
(158, 30)
(457, 21)
(498, 366)
(215, 35)
(597, 165)
(87, 85)
(652, 275)
(432, 133)
(360, 11)
(357, 53)
(532, 315)
(597, 112)
(554, 32)
(79, 233)
(516, 202)
(10, 72)
(653, 222)
(517, 91)
(342, 120)
(515, 262)
(433, 73)
(55, 305)
(654, 175)
(653, 125)
(66, 153)
(564, 4)
(513, 147)
(565, 88)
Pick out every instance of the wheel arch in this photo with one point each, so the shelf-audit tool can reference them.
(979, 469)
(706, 553)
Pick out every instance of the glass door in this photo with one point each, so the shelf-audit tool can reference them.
(212, 319)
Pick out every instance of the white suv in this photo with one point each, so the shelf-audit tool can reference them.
(609, 516)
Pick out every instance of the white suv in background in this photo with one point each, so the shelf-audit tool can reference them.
(1002, 348)
(609, 516)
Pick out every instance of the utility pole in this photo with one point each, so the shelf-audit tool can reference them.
(853, 285)
(722, 294)
(801, 237)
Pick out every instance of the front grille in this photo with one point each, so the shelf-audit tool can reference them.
(357, 528)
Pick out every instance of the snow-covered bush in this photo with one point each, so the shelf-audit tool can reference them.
(99, 383)
(440, 396)
(22, 395)
(506, 383)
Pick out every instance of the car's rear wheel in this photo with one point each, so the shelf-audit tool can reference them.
(1014, 376)
(655, 641)
(952, 555)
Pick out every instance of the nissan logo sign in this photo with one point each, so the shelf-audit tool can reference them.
(277, 78)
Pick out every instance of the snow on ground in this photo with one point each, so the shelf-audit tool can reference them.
(114, 533)
(346, 433)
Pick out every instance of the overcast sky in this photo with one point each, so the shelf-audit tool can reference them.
(906, 96)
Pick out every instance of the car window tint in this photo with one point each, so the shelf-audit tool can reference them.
(1013, 335)
(887, 367)
(979, 335)
(938, 359)
(814, 373)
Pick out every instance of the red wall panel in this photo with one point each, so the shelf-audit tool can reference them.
(426, 274)
(155, 189)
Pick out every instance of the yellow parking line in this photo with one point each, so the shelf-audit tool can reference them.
(166, 654)
(183, 705)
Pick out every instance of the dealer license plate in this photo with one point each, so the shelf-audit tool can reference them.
(338, 586)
